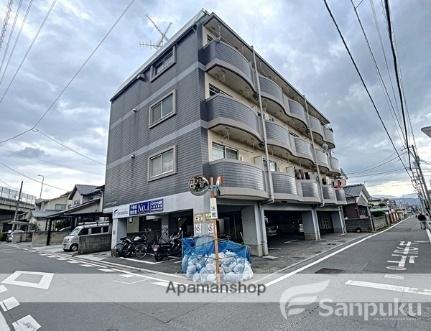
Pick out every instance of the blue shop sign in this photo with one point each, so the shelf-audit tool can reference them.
(146, 207)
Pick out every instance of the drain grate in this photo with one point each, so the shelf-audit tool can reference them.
(329, 271)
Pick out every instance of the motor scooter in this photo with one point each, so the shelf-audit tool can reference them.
(171, 248)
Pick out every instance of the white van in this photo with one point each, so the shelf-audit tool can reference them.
(70, 242)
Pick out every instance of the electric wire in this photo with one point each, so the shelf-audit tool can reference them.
(16, 41)
(28, 50)
(365, 86)
(81, 67)
(5, 22)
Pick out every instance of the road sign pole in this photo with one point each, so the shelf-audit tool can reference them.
(215, 234)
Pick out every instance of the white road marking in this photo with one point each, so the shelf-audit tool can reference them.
(106, 270)
(389, 287)
(177, 261)
(290, 274)
(44, 283)
(2, 289)
(87, 265)
(130, 283)
(126, 276)
(27, 323)
(164, 284)
(62, 259)
(147, 262)
(394, 276)
(3, 323)
(73, 261)
(9, 303)
(429, 235)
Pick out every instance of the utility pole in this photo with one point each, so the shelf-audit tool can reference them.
(17, 204)
(41, 187)
(422, 178)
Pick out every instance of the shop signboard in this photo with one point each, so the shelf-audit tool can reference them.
(146, 207)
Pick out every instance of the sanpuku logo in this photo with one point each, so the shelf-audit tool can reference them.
(294, 299)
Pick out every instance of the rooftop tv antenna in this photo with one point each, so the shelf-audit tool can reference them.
(163, 36)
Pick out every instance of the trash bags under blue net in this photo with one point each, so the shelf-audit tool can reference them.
(199, 263)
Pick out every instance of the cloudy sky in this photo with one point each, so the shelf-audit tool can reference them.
(297, 37)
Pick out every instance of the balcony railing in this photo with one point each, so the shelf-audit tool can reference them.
(278, 135)
(308, 189)
(218, 53)
(240, 179)
(322, 159)
(328, 136)
(316, 126)
(335, 164)
(329, 194)
(295, 109)
(341, 196)
(271, 90)
(284, 185)
(224, 110)
(302, 148)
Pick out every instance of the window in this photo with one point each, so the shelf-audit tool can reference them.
(164, 63)
(222, 152)
(60, 206)
(83, 232)
(105, 229)
(215, 90)
(96, 230)
(272, 165)
(162, 164)
(162, 109)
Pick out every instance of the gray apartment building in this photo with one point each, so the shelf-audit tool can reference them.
(207, 104)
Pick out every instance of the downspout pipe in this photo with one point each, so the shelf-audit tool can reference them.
(271, 187)
(322, 200)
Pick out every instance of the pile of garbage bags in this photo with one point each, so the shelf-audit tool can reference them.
(199, 261)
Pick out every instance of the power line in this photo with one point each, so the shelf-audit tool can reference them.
(5, 183)
(63, 90)
(10, 34)
(5, 22)
(382, 82)
(16, 40)
(373, 167)
(365, 85)
(66, 147)
(379, 173)
(388, 18)
(31, 178)
(28, 50)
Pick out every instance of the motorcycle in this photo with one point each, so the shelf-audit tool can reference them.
(127, 247)
(171, 248)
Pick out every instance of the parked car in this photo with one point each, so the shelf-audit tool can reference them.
(10, 234)
(71, 242)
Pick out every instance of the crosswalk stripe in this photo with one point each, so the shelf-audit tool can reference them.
(106, 270)
(27, 323)
(3, 288)
(9, 303)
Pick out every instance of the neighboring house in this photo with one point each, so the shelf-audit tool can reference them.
(84, 205)
(357, 198)
(47, 207)
(194, 109)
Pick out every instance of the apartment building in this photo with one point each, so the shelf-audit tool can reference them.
(208, 104)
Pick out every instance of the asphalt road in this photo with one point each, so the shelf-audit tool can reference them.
(372, 274)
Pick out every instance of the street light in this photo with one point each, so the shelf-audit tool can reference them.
(41, 187)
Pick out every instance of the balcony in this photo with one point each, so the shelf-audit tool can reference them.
(272, 98)
(296, 113)
(322, 159)
(278, 138)
(317, 129)
(328, 137)
(285, 187)
(308, 190)
(225, 114)
(302, 148)
(228, 65)
(241, 180)
(341, 196)
(335, 165)
(329, 194)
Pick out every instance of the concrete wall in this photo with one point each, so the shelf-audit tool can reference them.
(21, 237)
(94, 243)
(39, 238)
(364, 224)
(380, 222)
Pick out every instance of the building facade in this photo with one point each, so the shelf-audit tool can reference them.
(208, 104)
